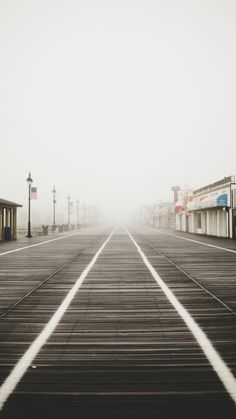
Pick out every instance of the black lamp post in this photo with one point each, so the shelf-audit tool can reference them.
(84, 215)
(54, 205)
(29, 180)
(69, 203)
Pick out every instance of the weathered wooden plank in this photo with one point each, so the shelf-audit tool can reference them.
(121, 348)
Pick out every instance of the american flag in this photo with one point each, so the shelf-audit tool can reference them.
(33, 193)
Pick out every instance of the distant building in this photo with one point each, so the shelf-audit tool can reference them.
(181, 209)
(209, 210)
(159, 215)
(165, 216)
(8, 219)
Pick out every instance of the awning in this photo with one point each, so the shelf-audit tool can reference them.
(8, 204)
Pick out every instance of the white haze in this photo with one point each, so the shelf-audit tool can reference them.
(115, 101)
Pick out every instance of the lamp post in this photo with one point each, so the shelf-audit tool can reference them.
(54, 206)
(154, 216)
(77, 203)
(84, 215)
(68, 198)
(29, 180)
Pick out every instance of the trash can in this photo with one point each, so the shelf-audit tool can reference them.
(60, 227)
(7, 233)
(54, 227)
(45, 230)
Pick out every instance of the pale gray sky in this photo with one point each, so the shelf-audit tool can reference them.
(115, 101)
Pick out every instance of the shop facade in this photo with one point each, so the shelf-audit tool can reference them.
(210, 210)
(8, 220)
(164, 216)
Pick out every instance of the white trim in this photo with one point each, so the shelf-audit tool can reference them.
(25, 361)
(204, 244)
(38, 244)
(214, 358)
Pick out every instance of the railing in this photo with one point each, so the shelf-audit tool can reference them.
(22, 231)
(44, 230)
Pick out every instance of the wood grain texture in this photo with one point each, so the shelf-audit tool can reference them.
(120, 349)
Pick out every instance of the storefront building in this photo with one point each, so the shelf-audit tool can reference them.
(210, 210)
(8, 219)
(164, 216)
(181, 211)
(160, 215)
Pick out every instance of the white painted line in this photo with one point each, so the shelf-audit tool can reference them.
(38, 244)
(26, 360)
(197, 241)
(217, 363)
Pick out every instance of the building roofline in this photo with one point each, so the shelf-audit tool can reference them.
(8, 204)
(221, 183)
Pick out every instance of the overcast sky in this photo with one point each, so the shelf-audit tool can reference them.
(115, 101)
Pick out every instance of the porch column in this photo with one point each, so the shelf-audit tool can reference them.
(1, 223)
(218, 223)
(7, 217)
(11, 218)
(14, 233)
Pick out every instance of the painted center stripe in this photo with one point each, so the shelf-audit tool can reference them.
(208, 349)
(23, 364)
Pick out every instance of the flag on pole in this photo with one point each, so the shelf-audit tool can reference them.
(33, 192)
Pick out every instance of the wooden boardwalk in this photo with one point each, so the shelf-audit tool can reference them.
(121, 349)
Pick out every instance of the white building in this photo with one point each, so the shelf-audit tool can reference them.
(165, 216)
(181, 211)
(209, 210)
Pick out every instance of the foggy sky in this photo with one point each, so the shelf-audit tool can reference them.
(115, 101)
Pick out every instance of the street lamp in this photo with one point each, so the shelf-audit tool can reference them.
(29, 180)
(69, 212)
(84, 215)
(54, 205)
